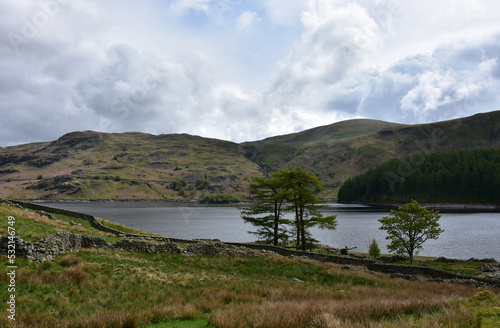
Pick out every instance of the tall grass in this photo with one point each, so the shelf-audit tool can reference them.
(361, 307)
(109, 288)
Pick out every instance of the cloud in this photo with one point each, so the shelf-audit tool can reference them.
(240, 70)
(335, 43)
(455, 80)
(284, 14)
(183, 6)
(215, 9)
(247, 19)
(336, 71)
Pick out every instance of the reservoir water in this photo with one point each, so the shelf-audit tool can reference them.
(466, 235)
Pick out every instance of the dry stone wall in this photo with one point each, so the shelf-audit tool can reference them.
(47, 248)
(433, 273)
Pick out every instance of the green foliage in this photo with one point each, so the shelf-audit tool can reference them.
(305, 204)
(39, 177)
(374, 250)
(220, 199)
(471, 176)
(298, 189)
(270, 197)
(117, 178)
(177, 185)
(486, 306)
(409, 227)
(201, 184)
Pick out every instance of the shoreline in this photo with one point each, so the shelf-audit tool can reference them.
(442, 207)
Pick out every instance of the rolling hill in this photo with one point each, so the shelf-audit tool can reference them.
(97, 166)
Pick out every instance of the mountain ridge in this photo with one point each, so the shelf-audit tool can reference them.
(180, 166)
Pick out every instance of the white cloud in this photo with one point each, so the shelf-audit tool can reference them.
(126, 66)
(247, 19)
(285, 13)
(338, 66)
(180, 7)
(335, 44)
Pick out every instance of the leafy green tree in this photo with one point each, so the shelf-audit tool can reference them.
(409, 227)
(374, 250)
(270, 198)
(306, 205)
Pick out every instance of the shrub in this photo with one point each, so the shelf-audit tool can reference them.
(219, 199)
(201, 184)
(374, 249)
(177, 185)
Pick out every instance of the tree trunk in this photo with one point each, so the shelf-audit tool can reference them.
(302, 229)
(276, 224)
(297, 225)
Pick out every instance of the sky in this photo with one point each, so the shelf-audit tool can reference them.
(241, 70)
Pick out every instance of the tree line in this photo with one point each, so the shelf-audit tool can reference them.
(469, 176)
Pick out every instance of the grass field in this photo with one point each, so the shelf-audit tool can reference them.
(111, 288)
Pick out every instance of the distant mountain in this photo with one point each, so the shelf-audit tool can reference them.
(93, 165)
(345, 149)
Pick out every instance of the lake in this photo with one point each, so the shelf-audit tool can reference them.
(466, 235)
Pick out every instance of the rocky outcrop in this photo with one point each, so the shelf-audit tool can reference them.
(490, 270)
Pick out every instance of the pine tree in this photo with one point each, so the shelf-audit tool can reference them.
(374, 251)
(270, 198)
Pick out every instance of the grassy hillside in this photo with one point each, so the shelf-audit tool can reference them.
(92, 165)
(346, 149)
(114, 288)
